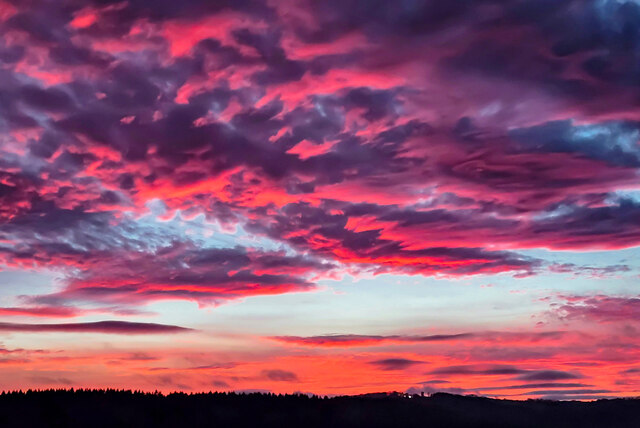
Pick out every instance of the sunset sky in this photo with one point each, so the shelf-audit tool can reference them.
(330, 197)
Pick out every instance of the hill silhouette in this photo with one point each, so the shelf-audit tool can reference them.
(114, 408)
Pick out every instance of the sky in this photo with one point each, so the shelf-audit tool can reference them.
(328, 197)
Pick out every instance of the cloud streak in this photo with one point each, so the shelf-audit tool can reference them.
(110, 327)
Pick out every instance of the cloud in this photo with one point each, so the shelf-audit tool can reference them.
(348, 340)
(111, 327)
(139, 356)
(494, 370)
(66, 311)
(548, 375)
(591, 271)
(394, 363)
(532, 386)
(612, 142)
(183, 271)
(506, 370)
(153, 267)
(278, 375)
(55, 312)
(328, 234)
(43, 380)
(112, 118)
(355, 340)
(598, 308)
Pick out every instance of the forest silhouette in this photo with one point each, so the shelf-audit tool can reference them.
(120, 408)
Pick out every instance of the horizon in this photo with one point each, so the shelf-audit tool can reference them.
(118, 408)
(327, 197)
(371, 395)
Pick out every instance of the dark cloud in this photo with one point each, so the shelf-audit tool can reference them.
(280, 375)
(43, 380)
(280, 68)
(475, 370)
(395, 363)
(612, 142)
(548, 375)
(533, 386)
(506, 370)
(139, 356)
(347, 340)
(583, 226)
(408, 19)
(112, 327)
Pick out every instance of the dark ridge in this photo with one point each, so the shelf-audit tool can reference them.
(119, 408)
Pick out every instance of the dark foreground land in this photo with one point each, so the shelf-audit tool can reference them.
(100, 408)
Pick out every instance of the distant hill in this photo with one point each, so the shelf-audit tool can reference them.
(111, 408)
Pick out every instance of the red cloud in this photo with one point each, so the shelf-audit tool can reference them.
(184, 271)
